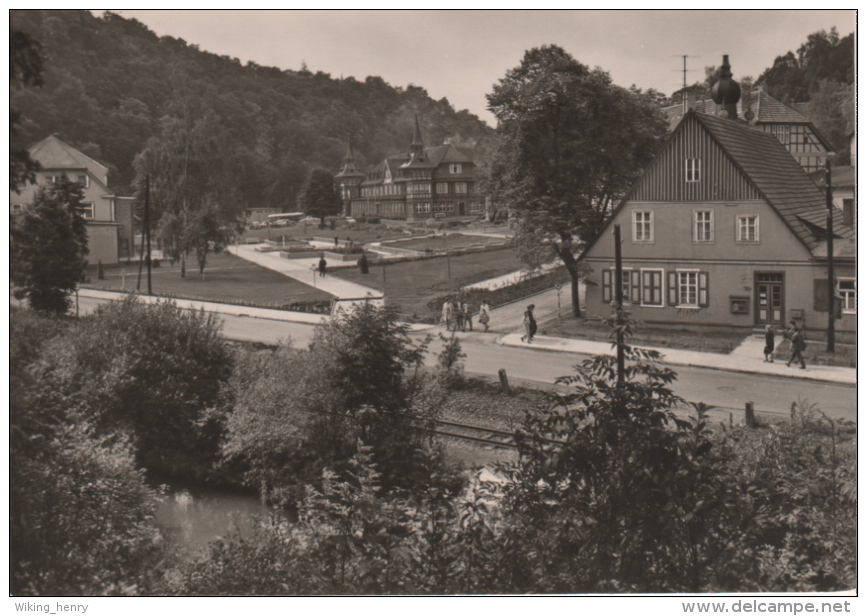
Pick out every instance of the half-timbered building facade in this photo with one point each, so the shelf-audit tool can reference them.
(724, 228)
(424, 183)
(765, 113)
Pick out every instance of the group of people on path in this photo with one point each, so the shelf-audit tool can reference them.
(795, 337)
(457, 315)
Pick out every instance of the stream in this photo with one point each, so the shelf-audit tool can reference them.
(191, 516)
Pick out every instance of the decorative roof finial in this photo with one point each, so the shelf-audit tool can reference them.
(726, 91)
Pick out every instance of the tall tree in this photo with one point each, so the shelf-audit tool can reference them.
(320, 199)
(571, 142)
(48, 253)
(193, 187)
(26, 60)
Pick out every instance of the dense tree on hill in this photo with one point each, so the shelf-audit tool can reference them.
(25, 69)
(823, 56)
(110, 80)
(571, 142)
(48, 247)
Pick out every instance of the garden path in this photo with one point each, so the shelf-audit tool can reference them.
(304, 271)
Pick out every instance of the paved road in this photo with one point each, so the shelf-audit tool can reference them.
(727, 390)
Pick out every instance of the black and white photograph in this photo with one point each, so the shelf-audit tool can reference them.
(315, 304)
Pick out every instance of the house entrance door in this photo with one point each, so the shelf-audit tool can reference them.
(769, 299)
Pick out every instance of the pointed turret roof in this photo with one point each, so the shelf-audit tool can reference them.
(349, 168)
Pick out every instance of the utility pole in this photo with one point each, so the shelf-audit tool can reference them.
(830, 235)
(618, 302)
(148, 228)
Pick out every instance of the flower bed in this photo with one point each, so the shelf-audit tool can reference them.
(503, 295)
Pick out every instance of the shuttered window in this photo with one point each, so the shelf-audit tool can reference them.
(651, 287)
(607, 276)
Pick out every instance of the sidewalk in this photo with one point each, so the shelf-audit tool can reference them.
(745, 358)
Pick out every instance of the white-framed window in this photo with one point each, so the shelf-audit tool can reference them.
(642, 226)
(688, 288)
(455, 168)
(461, 188)
(693, 169)
(442, 188)
(703, 225)
(84, 180)
(782, 132)
(651, 287)
(16, 208)
(748, 228)
(847, 288)
(87, 210)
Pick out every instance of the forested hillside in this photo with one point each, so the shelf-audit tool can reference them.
(109, 82)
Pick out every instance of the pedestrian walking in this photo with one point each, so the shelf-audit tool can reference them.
(467, 316)
(529, 323)
(458, 317)
(769, 343)
(798, 346)
(323, 264)
(336, 242)
(447, 315)
(485, 314)
(363, 265)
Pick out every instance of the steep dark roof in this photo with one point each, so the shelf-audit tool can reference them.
(776, 175)
(768, 109)
(446, 154)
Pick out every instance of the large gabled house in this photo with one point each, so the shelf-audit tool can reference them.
(765, 113)
(725, 228)
(109, 218)
(423, 183)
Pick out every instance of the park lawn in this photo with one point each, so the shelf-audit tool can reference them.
(704, 339)
(227, 278)
(410, 285)
(452, 241)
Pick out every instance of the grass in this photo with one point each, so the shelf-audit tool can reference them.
(705, 339)
(227, 279)
(410, 285)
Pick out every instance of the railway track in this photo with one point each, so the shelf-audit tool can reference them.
(503, 439)
(475, 434)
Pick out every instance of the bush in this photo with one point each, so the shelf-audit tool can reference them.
(156, 372)
(450, 365)
(298, 412)
(80, 511)
(80, 515)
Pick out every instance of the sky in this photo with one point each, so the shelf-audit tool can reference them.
(459, 55)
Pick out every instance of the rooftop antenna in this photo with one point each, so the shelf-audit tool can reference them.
(684, 71)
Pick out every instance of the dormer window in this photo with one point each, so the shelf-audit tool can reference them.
(693, 169)
(84, 180)
(455, 168)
